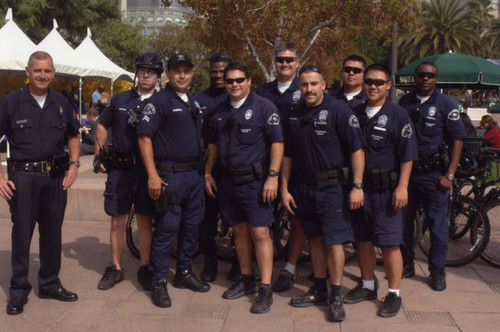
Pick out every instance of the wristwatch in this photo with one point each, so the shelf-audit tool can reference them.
(76, 163)
(358, 185)
(449, 176)
(273, 173)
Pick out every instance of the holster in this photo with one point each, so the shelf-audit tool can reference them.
(60, 164)
(104, 157)
(124, 160)
(167, 197)
(247, 174)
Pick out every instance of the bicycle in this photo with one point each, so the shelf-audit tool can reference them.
(477, 186)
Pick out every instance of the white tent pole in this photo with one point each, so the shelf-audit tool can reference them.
(112, 81)
(80, 98)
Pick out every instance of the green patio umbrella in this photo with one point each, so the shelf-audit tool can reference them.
(494, 109)
(455, 71)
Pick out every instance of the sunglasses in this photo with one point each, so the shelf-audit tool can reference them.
(370, 82)
(423, 74)
(355, 70)
(287, 59)
(237, 80)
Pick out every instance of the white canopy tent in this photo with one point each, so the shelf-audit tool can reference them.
(16, 48)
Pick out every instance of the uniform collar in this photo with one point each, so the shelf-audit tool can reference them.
(340, 94)
(248, 101)
(26, 96)
(293, 86)
(169, 90)
(432, 99)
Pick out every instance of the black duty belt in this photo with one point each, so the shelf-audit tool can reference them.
(427, 164)
(322, 179)
(176, 168)
(31, 166)
(381, 179)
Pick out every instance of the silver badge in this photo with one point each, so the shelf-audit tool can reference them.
(248, 114)
(382, 120)
(406, 132)
(149, 109)
(323, 115)
(353, 121)
(296, 95)
(454, 115)
(274, 119)
(432, 111)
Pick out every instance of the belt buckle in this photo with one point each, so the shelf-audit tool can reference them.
(45, 167)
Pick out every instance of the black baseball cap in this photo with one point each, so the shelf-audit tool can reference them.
(177, 59)
(220, 57)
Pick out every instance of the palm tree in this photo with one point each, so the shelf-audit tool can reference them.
(479, 11)
(445, 26)
(493, 39)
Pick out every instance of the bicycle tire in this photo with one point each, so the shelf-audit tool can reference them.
(491, 253)
(131, 234)
(466, 213)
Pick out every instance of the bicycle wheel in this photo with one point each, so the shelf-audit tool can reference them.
(491, 253)
(131, 234)
(467, 188)
(464, 213)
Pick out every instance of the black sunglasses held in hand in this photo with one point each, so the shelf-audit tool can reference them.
(423, 74)
(355, 70)
(237, 80)
(288, 59)
(370, 82)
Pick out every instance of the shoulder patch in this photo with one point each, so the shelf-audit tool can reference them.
(353, 121)
(274, 119)
(454, 115)
(406, 132)
(149, 109)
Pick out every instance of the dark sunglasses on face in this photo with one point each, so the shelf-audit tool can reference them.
(370, 82)
(237, 80)
(288, 59)
(423, 74)
(355, 70)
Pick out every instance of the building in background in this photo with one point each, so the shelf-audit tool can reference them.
(153, 15)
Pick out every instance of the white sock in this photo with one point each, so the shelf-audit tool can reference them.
(390, 290)
(369, 284)
(290, 268)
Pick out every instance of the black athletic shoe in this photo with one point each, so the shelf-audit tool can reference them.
(284, 282)
(358, 294)
(390, 306)
(337, 312)
(438, 281)
(111, 277)
(209, 269)
(245, 285)
(187, 279)
(312, 297)
(409, 271)
(264, 300)
(144, 276)
(159, 295)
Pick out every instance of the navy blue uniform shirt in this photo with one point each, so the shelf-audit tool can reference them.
(36, 134)
(115, 115)
(255, 126)
(322, 137)
(209, 98)
(285, 101)
(435, 120)
(173, 126)
(389, 136)
(357, 100)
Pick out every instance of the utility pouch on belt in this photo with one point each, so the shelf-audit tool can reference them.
(167, 197)
(329, 178)
(60, 164)
(242, 175)
(383, 179)
(346, 176)
(258, 170)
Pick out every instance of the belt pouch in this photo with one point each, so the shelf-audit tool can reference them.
(394, 180)
(384, 179)
(376, 179)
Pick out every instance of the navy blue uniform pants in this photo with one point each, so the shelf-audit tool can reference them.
(180, 220)
(423, 189)
(37, 198)
(208, 227)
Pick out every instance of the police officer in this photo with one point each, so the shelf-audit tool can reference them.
(351, 77)
(285, 94)
(437, 122)
(207, 101)
(391, 149)
(170, 144)
(126, 183)
(36, 121)
(321, 135)
(246, 139)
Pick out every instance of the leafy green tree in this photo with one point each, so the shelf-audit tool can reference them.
(323, 29)
(493, 39)
(117, 39)
(173, 39)
(445, 25)
(480, 14)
